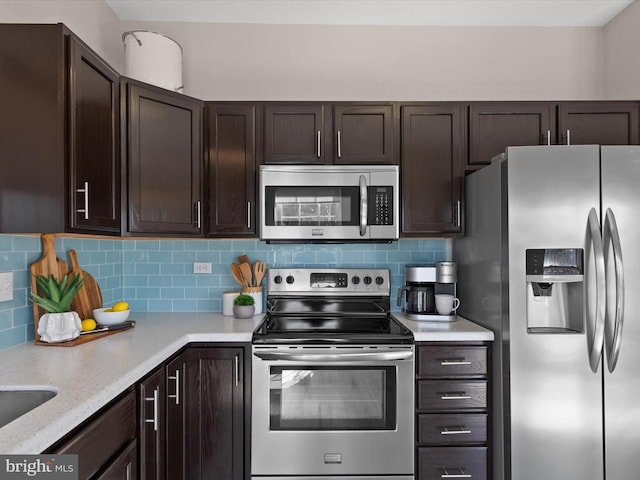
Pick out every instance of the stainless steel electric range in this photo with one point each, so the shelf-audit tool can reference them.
(333, 379)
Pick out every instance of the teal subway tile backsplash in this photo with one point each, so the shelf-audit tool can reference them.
(157, 275)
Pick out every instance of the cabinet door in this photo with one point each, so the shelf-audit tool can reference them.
(603, 123)
(164, 164)
(432, 152)
(152, 427)
(94, 158)
(124, 466)
(363, 134)
(216, 414)
(231, 171)
(497, 125)
(176, 415)
(294, 133)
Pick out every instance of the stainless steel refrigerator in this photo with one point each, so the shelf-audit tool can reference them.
(551, 263)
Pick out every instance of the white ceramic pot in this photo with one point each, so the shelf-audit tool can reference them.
(59, 327)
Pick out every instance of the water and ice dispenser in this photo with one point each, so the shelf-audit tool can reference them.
(555, 290)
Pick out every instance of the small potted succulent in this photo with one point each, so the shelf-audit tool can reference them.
(55, 297)
(244, 306)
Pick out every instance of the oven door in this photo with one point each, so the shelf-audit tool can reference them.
(313, 203)
(332, 411)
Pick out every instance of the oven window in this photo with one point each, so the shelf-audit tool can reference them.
(328, 206)
(332, 398)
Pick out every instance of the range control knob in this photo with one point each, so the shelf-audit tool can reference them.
(367, 280)
(379, 280)
(355, 280)
(290, 279)
(277, 279)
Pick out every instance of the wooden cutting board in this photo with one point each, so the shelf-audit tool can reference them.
(89, 296)
(49, 264)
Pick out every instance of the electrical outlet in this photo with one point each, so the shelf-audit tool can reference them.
(6, 286)
(201, 267)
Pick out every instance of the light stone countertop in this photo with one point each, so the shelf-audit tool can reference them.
(87, 377)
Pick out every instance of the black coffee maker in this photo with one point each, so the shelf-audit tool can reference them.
(422, 283)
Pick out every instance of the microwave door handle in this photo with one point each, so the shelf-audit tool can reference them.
(364, 202)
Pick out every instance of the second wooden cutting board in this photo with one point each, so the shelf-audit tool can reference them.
(89, 296)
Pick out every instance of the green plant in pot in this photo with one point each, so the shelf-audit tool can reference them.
(244, 306)
(59, 323)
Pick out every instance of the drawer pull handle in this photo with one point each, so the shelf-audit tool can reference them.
(454, 431)
(176, 377)
(454, 396)
(448, 363)
(460, 473)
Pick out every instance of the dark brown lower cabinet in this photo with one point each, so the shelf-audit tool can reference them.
(106, 443)
(452, 406)
(152, 426)
(215, 422)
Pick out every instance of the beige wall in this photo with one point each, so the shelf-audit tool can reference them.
(288, 62)
(92, 20)
(293, 62)
(622, 54)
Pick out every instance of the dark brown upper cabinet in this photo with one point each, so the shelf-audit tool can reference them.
(164, 160)
(320, 133)
(231, 169)
(431, 170)
(93, 138)
(58, 131)
(601, 123)
(295, 133)
(493, 126)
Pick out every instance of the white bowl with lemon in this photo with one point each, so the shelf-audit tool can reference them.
(114, 315)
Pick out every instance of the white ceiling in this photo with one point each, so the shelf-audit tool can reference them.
(375, 12)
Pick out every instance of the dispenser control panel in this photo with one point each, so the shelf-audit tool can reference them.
(555, 261)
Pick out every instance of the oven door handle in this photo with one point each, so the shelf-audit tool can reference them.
(337, 357)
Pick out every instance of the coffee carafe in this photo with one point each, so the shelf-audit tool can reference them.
(422, 284)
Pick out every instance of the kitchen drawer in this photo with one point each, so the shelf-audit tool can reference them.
(452, 395)
(104, 436)
(452, 428)
(452, 360)
(452, 462)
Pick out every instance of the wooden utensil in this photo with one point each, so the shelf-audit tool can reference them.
(89, 296)
(243, 259)
(246, 274)
(259, 269)
(237, 273)
(49, 264)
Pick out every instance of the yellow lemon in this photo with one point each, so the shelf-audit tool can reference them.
(88, 324)
(120, 306)
(109, 310)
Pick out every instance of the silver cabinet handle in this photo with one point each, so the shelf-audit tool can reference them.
(176, 377)
(568, 137)
(548, 137)
(454, 396)
(448, 363)
(153, 420)
(613, 327)
(364, 204)
(458, 219)
(595, 322)
(237, 370)
(454, 431)
(318, 151)
(342, 357)
(84, 210)
(198, 214)
(249, 215)
(339, 144)
(461, 473)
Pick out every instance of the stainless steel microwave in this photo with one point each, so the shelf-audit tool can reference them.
(333, 203)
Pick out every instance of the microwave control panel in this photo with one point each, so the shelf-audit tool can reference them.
(380, 208)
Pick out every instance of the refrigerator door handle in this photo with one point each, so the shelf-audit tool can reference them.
(613, 327)
(595, 322)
